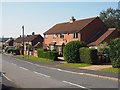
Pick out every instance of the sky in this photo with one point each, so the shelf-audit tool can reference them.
(38, 17)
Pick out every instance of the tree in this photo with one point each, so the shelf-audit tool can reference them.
(111, 17)
(115, 52)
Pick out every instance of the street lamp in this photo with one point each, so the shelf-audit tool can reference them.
(23, 40)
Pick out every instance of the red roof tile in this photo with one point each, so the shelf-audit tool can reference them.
(68, 27)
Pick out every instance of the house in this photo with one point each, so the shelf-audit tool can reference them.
(92, 31)
(9, 42)
(34, 40)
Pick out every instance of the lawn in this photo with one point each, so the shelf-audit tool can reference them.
(74, 65)
(33, 58)
(111, 69)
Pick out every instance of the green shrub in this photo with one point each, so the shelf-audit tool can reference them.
(115, 52)
(88, 55)
(17, 51)
(52, 55)
(47, 54)
(71, 51)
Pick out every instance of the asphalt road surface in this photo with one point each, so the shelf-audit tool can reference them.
(28, 75)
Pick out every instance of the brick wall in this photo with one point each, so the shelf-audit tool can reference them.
(67, 38)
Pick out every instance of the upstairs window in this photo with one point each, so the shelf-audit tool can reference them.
(75, 35)
(61, 35)
(54, 35)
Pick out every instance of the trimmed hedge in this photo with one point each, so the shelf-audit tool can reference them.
(47, 54)
(71, 51)
(88, 55)
(115, 52)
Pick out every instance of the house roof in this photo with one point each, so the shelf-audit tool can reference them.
(18, 40)
(30, 38)
(103, 37)
(9, 40)
(68, 27)
(27, 38)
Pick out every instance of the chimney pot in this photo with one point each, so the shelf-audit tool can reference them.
(33, 33)
(72, 19)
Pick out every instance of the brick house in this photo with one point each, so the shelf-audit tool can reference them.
(92, 31)
(35, 40)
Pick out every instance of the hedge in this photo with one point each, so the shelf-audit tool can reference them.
(47, 54)
(71, 51)
(88, 55)
(115, 52)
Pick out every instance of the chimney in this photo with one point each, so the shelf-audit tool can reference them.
(33, 33)
(72, 19)
(20, 35)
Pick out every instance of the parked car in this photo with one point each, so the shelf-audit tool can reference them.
(9, 49)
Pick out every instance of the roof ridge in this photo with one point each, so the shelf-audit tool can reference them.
(78, 20)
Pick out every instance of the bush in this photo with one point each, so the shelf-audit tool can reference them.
(88, 55)
(52, 55)
(103, 48)
(115, 52)
(17, 51)
(47, 54)
(71, 51)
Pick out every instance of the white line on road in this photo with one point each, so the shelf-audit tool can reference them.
(74, 84)
(13, 64)
(87, 74)
(41, 74)
(23, 68)
(6, 77)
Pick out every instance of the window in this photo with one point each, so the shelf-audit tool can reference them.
(61, 35)
(54, 35)
(45, 35)
(75, 35)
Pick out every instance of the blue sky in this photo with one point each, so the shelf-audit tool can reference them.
(39, 16)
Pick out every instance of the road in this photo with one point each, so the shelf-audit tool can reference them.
(28, 75)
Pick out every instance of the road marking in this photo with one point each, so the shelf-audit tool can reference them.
(74, 84)
(87, 74)
(6, 77)
(13, 64)
(41, 74)
(23, 68)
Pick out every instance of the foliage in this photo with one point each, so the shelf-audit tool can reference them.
(103, 48)
(111, 17)
(29, 47)
(17, 51)
(89, 55)
(33, 58)
(115, 52)
(111, 69)
(71, 51)
(47, 54)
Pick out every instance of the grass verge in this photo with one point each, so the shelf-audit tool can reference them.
(33, 58)
(74, 65)
(111, 69)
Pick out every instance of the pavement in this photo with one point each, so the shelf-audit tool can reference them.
(57, 76)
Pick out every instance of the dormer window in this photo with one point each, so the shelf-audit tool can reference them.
(61, 35)
(75, 35)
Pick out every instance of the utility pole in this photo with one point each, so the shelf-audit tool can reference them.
(23, 40)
